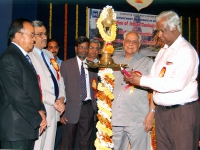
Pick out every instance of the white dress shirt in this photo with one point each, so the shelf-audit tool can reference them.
(179, 85)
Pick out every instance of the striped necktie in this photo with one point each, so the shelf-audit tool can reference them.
(83, 83)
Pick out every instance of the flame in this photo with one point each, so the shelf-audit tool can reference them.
(139, 1)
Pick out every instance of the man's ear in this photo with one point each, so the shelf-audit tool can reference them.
(175, 29)
(18, 35)
(76, 48)
(139, 45)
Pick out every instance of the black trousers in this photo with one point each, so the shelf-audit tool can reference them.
(93, 136)
(83, 129)
(22, 145)
(58, 138)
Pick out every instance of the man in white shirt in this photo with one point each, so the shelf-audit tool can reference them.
(173, 79)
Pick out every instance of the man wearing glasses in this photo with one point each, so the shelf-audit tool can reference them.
(93, 51)
(22, 115)
(81, 103)
(51, 86)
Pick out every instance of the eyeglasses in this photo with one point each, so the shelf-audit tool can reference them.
(81, 47)
(41, 34)
(32, 35)
(95, 48)
(131, 42)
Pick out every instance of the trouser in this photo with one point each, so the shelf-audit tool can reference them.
(136, 136)
(22, 144)
(58, 138)
(83, 128)
(177, 128)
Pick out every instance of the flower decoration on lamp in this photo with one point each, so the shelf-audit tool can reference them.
(104, 103)
(106, 24)
(107, 29)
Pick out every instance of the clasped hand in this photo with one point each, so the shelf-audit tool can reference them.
(59, 105)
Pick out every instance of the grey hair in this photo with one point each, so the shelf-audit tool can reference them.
(139, 36)
(172, 19)
(37, 23)
(95, 41)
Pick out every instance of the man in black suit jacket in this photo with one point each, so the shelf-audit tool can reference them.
(79, 113)
(22, 113)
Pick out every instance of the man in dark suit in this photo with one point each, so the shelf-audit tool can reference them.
(80, 107)
(22, 114)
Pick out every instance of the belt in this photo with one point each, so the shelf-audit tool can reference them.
(86, 102)
(177, 105)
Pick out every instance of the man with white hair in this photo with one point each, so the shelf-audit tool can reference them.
(132, 116)
(173, 79)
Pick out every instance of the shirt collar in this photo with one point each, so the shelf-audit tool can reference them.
(176, 42)
(38, 50)
(79, 61)
(134, 55)
(58, 59)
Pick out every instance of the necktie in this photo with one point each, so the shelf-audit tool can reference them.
(83, 83)
(29, 60)
(52, 76)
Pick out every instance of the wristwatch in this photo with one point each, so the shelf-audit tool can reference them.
(153, 110)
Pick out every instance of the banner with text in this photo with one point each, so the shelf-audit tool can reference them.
(143, 24)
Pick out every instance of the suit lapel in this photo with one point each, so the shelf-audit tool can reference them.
(40, 60)
(16, 50)
(75, 67)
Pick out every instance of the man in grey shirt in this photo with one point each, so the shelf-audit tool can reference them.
(133, 116)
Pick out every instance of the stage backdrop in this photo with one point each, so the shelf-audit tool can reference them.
(143, 24)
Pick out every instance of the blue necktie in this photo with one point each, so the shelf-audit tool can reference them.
(53, 77)
(29, 60)
(83, 83)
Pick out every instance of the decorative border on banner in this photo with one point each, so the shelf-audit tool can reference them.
(197, 35)
(181, 22)
(50, 20)
(189, 29)
(65, 31)
(86, 25)
(76, 34)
